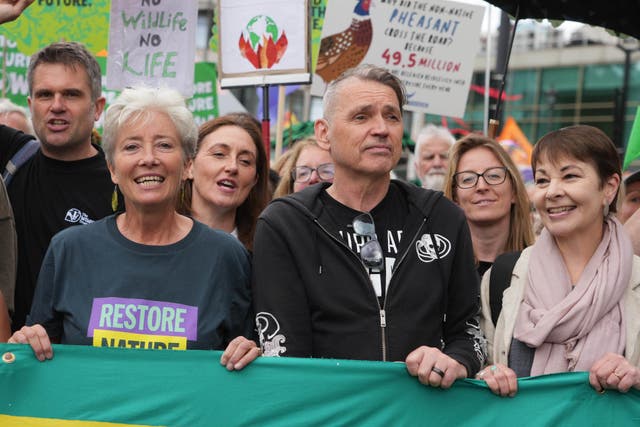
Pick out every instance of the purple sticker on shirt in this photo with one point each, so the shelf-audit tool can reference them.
(140, 316)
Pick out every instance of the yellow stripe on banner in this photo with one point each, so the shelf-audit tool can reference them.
(106, 338)
(9, 421)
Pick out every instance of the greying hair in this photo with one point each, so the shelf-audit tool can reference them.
(7, 107)
(366, 72)
(135, 105)
(432, 132)
(69, 54)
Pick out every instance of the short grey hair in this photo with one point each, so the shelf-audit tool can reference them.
(135, 105)
(429, 132)
(69, 54)
(7, 107)
(366, 72)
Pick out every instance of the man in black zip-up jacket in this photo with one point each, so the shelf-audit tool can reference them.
(319, 294)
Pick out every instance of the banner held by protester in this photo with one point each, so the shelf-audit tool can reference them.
(190, 388)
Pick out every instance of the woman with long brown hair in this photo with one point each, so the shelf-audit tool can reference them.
(227, 179)
(486, 184)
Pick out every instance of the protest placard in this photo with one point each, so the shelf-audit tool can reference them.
(48, 21)
(430, 45)
(152, 42)
(263, 42)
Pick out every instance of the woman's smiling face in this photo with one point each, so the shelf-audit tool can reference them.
(224, 170)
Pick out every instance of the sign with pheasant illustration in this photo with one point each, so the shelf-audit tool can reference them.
(263, 42)
(430, 45)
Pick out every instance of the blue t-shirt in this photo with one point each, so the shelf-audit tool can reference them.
(97, 287)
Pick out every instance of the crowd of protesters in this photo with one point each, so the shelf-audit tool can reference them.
(163, 237)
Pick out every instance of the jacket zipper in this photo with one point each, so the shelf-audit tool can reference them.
(381, 310)
(383, 313)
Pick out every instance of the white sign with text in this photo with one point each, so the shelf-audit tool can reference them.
(430, 45)
(152, 42)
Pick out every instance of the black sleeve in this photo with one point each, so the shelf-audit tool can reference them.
(282, 310)
(462, 335)
(11, 141)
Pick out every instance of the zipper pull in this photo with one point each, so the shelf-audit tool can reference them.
(383, 319)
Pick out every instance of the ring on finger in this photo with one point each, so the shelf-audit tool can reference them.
(493, 368)
(438, 371)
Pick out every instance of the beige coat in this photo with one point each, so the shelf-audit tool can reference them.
(499, 336)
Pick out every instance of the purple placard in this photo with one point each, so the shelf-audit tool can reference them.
(141, 316)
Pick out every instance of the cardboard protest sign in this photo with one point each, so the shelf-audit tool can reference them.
(263, 42)
(152, 42)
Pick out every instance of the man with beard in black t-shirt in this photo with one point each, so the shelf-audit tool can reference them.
(368, 268)
(67, 181)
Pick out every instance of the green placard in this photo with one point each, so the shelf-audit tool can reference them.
(48, 21)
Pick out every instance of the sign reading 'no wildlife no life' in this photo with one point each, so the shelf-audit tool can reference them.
(152, 42)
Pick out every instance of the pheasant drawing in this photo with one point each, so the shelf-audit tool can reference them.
(346, 49)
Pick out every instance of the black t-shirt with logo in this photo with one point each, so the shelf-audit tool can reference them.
(389, 217)
(47, 196)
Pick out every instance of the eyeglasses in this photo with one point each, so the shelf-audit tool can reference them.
(371, 253)
(469, 179)
(303, 173)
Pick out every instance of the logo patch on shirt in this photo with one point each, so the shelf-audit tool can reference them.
(74, 215)
(428, 250)
(270, 340)
(139, 323)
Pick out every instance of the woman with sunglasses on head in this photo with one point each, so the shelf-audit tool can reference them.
(573, 303)
(227, 179)
(306, 164)
(486, 184)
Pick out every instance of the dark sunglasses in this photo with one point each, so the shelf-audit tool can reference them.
(371, 253)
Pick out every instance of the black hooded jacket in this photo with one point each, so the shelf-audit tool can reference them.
(313, 296)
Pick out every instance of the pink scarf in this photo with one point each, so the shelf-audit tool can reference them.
(572, 328)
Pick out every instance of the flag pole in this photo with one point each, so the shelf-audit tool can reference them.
(495, 122)
(266, 130)
(279, 122)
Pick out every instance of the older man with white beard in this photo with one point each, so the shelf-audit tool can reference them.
(432, 156)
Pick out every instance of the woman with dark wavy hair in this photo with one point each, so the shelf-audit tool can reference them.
(227, 179)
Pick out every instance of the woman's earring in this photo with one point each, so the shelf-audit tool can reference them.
(605, 209)
(114, 198)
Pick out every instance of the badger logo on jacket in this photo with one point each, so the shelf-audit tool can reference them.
(428, 250)
(270, 340)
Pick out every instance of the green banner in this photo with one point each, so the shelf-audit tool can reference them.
(48, 21)
(318, 9)
(191, 388)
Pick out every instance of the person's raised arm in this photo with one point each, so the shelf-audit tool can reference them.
(11, 9)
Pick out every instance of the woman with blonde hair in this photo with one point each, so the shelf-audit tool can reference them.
(497, 206)
(306, 164)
